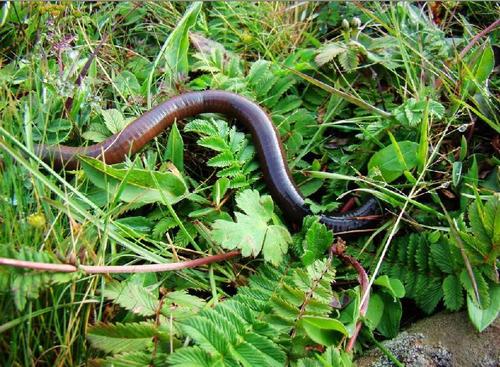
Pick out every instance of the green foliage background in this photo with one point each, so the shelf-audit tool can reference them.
(369, 99)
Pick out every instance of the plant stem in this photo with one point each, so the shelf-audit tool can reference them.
(386, 351)
(474, 39)
(93, 269)
(337, 249)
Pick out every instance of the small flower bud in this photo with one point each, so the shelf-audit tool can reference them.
(345, 24)
(356, 22)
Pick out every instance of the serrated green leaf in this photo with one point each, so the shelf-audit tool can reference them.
(133, 297)
(192, 357)
(273, 355)
(202, 127)
(453, 295)
(206, 334)
(442, 257)
(429, 292)
(214, 142)
(27, 284)
(279, 88)
(55, 132)
(114, 120)
(276, 243)
(393, 286)
(223, 159)
(163, 226)
(482, 287)
(127, 83)
(349, 59)
(251, 233)
(328, 52)
(119, 338)
(317, 240)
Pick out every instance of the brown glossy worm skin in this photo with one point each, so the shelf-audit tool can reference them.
(265, 137)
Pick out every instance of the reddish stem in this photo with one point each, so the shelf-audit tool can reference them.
(348, 205)
(91, 269)
(338, 249)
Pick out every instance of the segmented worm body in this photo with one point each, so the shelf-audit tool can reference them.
(252, 117)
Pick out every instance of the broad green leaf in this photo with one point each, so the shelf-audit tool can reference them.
(349, 316)
(119, 338)
(482, 63)
(95, 136)
(324, 330)
(251, 232)
(389, 323)
(482, 318)
(175, 148)
(375, 311)
(134, 184)
(386, 160)
(276, 243)
(175, 50)
(325, 323)
(392, 285)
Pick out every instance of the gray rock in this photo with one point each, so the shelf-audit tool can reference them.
(441, 340)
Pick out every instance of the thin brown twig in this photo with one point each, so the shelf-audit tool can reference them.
(102, 269)
(338, 250)
(472, 42)
(474, 39)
